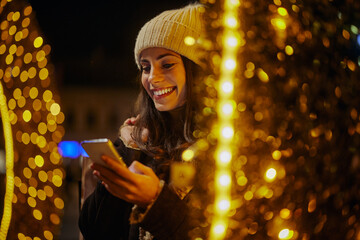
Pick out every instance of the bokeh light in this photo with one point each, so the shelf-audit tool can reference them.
(34, 114)
(296, 132)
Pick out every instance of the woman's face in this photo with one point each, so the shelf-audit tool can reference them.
(163, 76)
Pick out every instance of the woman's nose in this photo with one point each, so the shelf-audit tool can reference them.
(155, 76)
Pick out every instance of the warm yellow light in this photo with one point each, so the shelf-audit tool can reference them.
(219, 229)
(224, 180)
(24, 76)
(285, 213)
(12, 30)
(227, 109)
(48, 235)
(59, 203)
(48, 191)
(233, 3)
(270, 174)
(262, 75)
(289, 50)
(9, 59)
(230, 64)
(40, 55)
(57, 181)
(42, 128)
(33, 92)
(232, 41)
(41, 194)
(27, 172)
(231, 22)
(9, 162)
(286, 234)
(15, 16)
(188, 155)
(55, 109)
(279, 23)
(41, 141)
(2, 49)
(27, 58)
(39, 161)
(43, 74)
(189, 40)
(37, 214)
(223, 205)
(32, 191)
(54, 218)
(38, 42)
(227, 132)
(12, 49)
(248, 195)
(31, 201)
(21, 236)
(242, 181)
(32, 72)
(18, 36)
(26, 115)
(282, 11)
(227, 87)
(47, 96)
(225, 156)
(276, 155)
(43, 176)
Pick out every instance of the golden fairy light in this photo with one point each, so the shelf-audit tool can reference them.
(9, 190)
(30, 112)
(225, 126)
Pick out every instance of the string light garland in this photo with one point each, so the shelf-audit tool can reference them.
(295, 164)
(9, 162)
(35, 116)
(225, 126)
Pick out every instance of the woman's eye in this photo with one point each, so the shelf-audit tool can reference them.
(168, 65)
(145, 69)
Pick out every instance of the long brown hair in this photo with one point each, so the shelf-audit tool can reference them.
(164, 142)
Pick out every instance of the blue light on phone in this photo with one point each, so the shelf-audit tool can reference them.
(71, 149)
(358, 39)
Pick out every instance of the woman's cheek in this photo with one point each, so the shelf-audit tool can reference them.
(146, 86)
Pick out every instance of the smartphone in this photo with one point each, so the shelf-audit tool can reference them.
(95, 148)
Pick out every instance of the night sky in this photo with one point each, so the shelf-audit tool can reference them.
(92, 41)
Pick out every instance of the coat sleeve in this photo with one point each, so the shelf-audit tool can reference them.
(104, 216)
(170, 217)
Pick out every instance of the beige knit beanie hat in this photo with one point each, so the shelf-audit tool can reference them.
(170, 30)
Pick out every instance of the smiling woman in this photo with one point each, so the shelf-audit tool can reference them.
(153, 141)
(163, 77)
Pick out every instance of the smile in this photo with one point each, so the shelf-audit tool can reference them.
(159, 93)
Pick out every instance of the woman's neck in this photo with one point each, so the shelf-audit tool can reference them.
(177, 117)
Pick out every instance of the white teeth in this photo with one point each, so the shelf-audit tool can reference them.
(163, 91)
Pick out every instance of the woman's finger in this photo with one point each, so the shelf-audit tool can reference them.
(118, 168)
(139, 168)
(105, 174)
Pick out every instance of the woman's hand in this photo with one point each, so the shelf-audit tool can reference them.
(137, 184)
(126, 131)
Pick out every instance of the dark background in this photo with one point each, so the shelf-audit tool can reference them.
(92, 41)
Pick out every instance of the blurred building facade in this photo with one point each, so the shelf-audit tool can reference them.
(90, 112)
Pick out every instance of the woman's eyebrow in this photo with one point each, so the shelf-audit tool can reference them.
(144, 60)
(166, 54)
